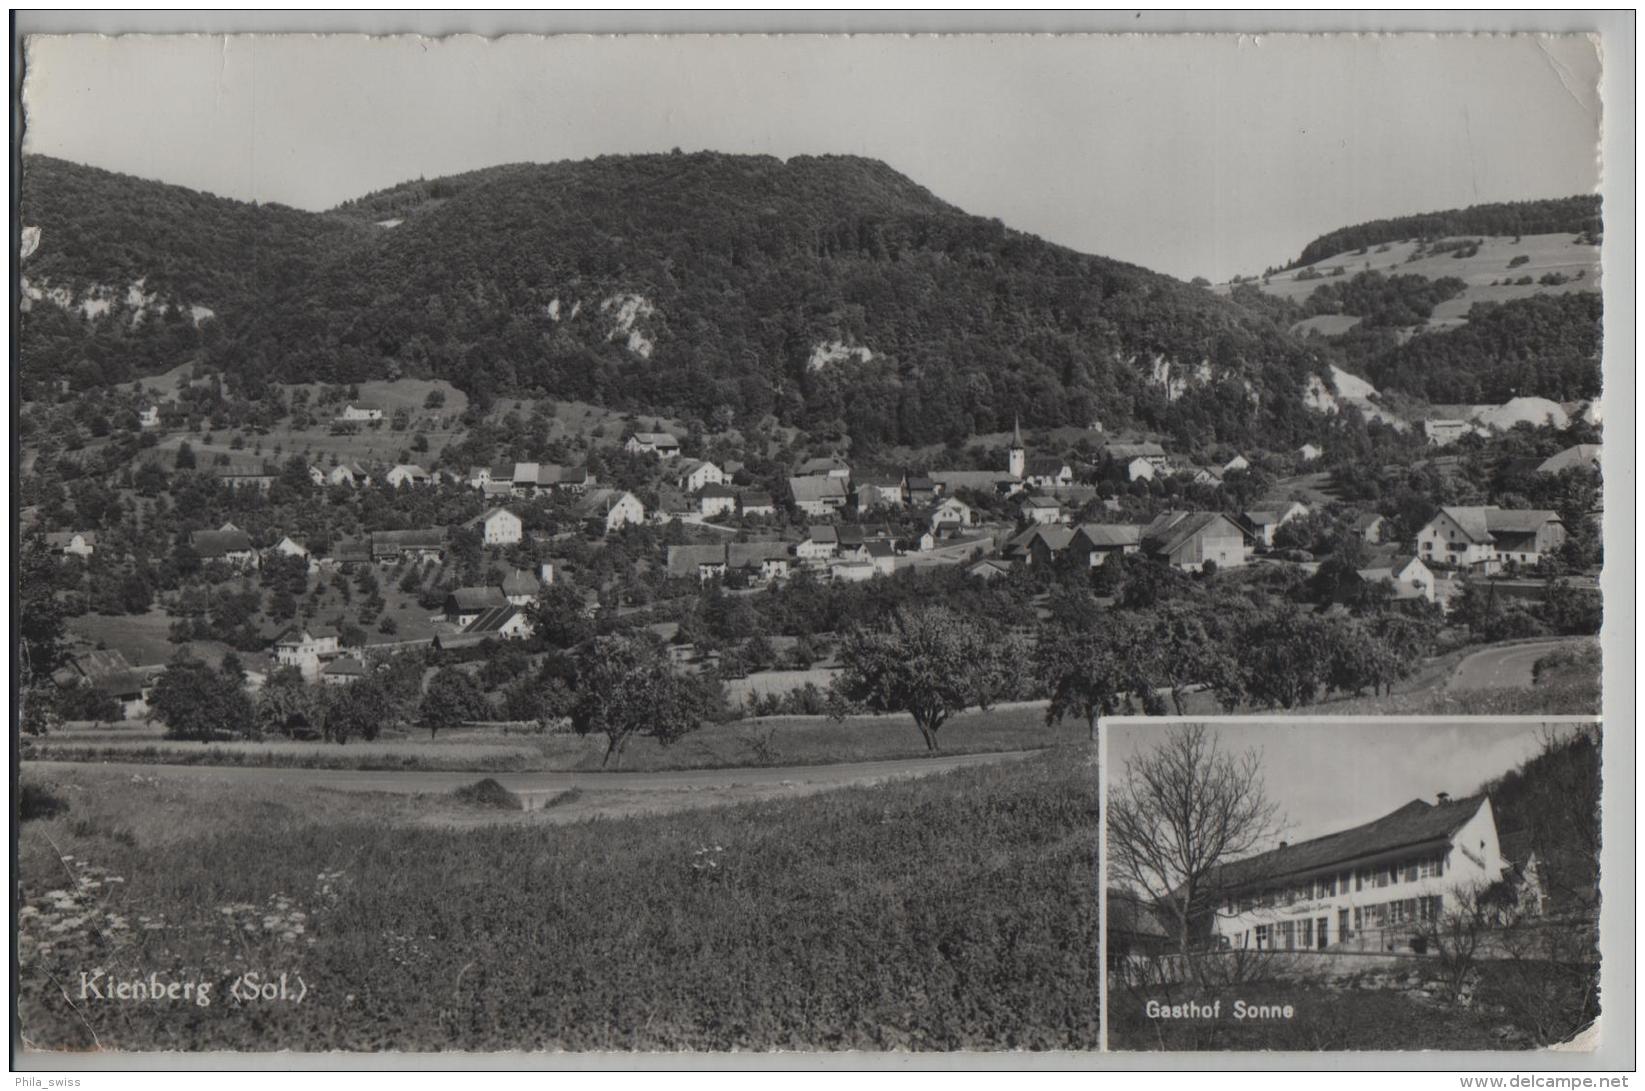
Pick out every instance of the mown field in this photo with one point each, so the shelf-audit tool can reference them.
(777, 740)
(953, 912)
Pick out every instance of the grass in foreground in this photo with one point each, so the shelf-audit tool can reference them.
(956, 911)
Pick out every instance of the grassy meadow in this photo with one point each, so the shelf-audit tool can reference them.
(952, 912)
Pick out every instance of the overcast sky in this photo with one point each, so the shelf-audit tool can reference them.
(1194, 156)
(1328, 776)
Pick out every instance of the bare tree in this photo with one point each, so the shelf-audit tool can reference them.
(1456, 933)
(1183, 810)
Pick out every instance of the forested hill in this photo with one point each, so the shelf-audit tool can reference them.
(1579, 215)
(829, 291)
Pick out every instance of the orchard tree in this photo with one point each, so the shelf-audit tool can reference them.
(928, 661)
(452, 698)
(196, 702)
(1094, 671)
(626, 686)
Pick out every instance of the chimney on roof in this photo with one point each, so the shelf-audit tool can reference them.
(1444, 798)
(1282, 844)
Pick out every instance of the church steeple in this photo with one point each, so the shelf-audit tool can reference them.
(1016, 454)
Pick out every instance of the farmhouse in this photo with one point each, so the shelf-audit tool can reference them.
(695, 474)
(351, 474)
(661, 444)
(1094, 543)
(1408, 577)
(521, 588)
(1486, 537)
(290, 547)
(988, 568)
(826, 466)
(1130, 454)
(879, 492)
(921, 489)
(343, 671)
(148, 417)
(1238, 462)
(767, 561)
(1041, 510)
(507, 622)
(307, 649)
(819, 544)
(821, 495)
(73, 543)
(1370, 526)
(716, 499)
(393, 546)
(1308, 452)
(228, 544)
(109, 672)
(359, 412)
(699, 562)
(758, 503)
(951, 511)
(949, 482)
(499, 527)
(611, 509)
(243, 473)
(1266, 520)
(1191, 539)
(1205, 475)
(464, 604)
(1368, 888)
(1046, 472)
(407, 473)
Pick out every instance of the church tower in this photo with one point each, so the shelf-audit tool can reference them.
(1017, 454)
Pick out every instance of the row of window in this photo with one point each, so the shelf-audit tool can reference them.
(1329, 886)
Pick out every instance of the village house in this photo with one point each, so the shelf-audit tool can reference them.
(148, 417)
(343, 671)
(825, 466)
(695, 473)
(507, 622)
(610, 509)
(407, 473)
(882, 555)
(716, 499)
(950, 514)
(699, 562)
(1266, 520)
(528, 479)
(394, 546)
(359, 413)
(763, 561)
(1094, 543)
(499, 527)
(109, 672)
(879, 492)
(1374, 887)
(464, 604)
(1371, 527)
(818, 496)
(1204, 475)
(1238, 462)
(1583, 455)
(852, 571)
(228, 544)
(1037, 545)
(1308, 452)
(1142, 461)
(1406, 576)
(757, 504)
(1190, 540)
(988, 568)
(1485, 538)
(243, 473)
(351, 474)
(1041, 510)
(921, 490)
(521, 588)
(1047, 472)
(73, 543)
(820, 543)
(307, 648)
(661, 444)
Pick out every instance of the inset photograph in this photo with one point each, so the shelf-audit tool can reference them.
(1351, 885)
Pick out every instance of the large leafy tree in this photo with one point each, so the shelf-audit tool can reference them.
(196, 702)
(625, 686)
(1096, 670)
(452, 698)
(928, 661)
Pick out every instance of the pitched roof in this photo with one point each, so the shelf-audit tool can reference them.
(64, 537)
(1110, 535)
(1366, 520)
(825, 533)
(716, 492)
(756, 500)
(485, 516)
(980, 480)
(1046, 466)
(1417, 823)
(748, 554)
(345, 665)
(217, 543)
(476, 598)
(600, 501)
(657, 439)
(685, 560)
(822, 465)
(416, 538)
(1172, 530)
(1128, 451)
(1518, 521)
(813, 489)
(1040, 502)
(492, 620)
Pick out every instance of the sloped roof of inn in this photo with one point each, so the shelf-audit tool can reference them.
(1415, 824)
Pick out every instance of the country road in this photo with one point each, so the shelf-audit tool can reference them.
(1505, 667)
(535, 788)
